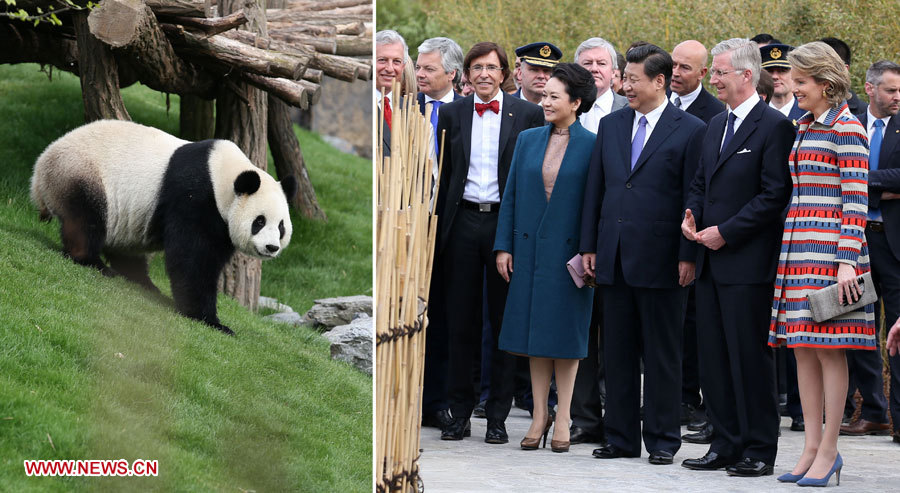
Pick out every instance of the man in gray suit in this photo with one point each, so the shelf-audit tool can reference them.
(599, 57)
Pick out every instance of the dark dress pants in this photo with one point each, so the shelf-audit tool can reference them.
(590, 388)
(737, 367)
(468, 256)
(434, 386)
(642, 322)
(690, 373)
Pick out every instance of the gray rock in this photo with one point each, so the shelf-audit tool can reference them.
(352, 343)
(273, 304)
(292, 318)
(332, 312)
(339, 144)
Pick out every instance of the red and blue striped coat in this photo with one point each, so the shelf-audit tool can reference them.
(825, 226)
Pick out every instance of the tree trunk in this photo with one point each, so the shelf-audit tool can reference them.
(289, 159)
(241, 115)
(99, 75)
(197, 121)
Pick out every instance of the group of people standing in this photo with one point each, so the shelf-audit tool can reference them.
(671, 202)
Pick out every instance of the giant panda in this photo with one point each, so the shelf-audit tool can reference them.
(124, 190)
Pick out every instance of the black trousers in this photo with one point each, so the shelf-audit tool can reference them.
(737, 368)
(865, 366)
(642, 323)
(690, 370)
(590, 387)
(468, 266)
(434, 386)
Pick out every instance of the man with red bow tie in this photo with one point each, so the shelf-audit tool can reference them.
(481, 131)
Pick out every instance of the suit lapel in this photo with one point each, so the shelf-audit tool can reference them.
(624, 129)
(891, 136)
(748, 126)
(664, 127)
(465, 125)
(507, 120)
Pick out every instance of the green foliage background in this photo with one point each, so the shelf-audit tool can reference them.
(871, 27)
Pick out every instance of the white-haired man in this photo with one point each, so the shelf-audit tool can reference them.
(390, 58)
(599, 57)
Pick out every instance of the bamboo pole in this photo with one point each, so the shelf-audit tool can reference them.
(406, 232)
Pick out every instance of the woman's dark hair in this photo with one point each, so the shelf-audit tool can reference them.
(766, 85)
(485, 48)
(579, 84)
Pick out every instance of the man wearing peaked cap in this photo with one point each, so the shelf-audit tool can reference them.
(538, 60)
(774, 61)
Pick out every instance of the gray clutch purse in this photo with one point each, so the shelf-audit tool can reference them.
(824, 303)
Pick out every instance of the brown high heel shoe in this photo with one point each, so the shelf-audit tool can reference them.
(532, 443)
(559, 445)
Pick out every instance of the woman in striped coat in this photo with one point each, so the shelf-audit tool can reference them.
(824, 243)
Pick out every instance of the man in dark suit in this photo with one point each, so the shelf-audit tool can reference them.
(883, 235)
(599, 57)
(390, 58)
(774, 61)
(438, 68)
(843, 50)
(478, 148)
(734, 211)
(641, 170)
(689, 67)
(538, 60)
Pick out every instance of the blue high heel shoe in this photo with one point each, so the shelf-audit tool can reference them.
(790, 478)
(836, 468)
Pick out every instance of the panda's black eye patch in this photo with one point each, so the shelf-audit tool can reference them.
(258, 224)
(281, 229)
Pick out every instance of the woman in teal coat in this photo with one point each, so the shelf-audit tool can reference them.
(547, 317)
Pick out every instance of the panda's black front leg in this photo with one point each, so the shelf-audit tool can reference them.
(194, 272)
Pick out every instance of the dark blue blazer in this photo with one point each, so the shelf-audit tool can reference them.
(706, 106)
(456, 118)
(887, 179)
(744, 190)
(420, 97)
(636, 214)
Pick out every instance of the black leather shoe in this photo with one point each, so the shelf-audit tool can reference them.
(479, 411)
(709, 462)
(610, 451)
(661, 457)
(896, 437)
(797, 424)
(703, 436)
(496, 432)
(578, 435)
(457, 429)
(698, 423)
(687, 413)
(438, 419)
(749, 468)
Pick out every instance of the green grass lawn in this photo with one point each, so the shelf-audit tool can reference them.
(94, 368)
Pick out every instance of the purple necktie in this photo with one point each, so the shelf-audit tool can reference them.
(637, 144)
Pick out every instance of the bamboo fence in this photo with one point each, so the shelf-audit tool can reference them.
(405, 237)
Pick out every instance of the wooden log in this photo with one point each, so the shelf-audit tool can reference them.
(313, 75)
(208, 27)
(292, 92)
(353, 45)
(240, 55)
(288, 159)
(24, 44)
(196, 118)
(184, 8)
(327, 4)
(279, 28)
(99, 75)
(131, 28)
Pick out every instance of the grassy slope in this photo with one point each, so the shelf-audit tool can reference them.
(108, 372)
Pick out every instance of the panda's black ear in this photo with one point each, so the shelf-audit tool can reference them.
(246, 183)
(289, 185)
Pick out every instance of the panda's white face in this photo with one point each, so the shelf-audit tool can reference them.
(260, 223)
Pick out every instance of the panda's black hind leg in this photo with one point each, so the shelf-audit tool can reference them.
(134, 268)
(83, 227)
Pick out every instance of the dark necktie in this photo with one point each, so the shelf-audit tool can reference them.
(434, 118)
(482, 107)
(729, 131)
(678, 102)
(874, 155)
(637, 143)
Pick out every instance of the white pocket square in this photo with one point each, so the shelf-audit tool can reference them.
(743, 151)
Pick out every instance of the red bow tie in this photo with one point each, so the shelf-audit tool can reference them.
(493, 106)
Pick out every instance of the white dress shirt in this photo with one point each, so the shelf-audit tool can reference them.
(652, 119)
(602, 106)
(786, 109)
(688, 98)
(482, 182)
(740, 113)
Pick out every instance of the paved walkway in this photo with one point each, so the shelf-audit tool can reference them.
(870, 464)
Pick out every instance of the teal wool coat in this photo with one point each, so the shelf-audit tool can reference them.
(546, 315)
